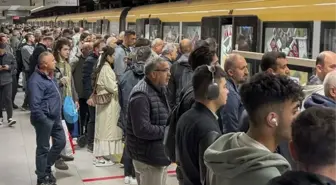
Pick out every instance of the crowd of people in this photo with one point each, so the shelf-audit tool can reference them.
(159, 103)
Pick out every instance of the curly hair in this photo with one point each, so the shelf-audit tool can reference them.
(58, 46)
(314, 136)
(265, 89)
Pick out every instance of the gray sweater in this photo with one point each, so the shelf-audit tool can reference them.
(26, 52)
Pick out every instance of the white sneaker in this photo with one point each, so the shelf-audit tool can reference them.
(127, 180)
(133, 181)
(103, 163)
(11, 122)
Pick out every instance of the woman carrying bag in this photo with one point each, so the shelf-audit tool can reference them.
(108, 136)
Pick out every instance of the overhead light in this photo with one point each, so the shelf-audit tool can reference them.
(325, 4)
(15, 7)
(33, 10)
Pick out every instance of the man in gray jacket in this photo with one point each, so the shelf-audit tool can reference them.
(7, 65)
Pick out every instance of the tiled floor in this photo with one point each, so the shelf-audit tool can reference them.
(17, 158)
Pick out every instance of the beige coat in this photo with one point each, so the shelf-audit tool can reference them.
(107, 115)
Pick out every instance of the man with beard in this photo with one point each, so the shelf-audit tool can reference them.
(236, 68)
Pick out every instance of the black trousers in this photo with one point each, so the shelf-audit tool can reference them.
(14, 87)
(91, 126)
(128, 165)
(84, 115)
(26, 100)
(6, 100)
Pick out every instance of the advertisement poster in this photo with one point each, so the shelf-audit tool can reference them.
(226, 42)
(291, 41)
(171, 34)
(192, 32)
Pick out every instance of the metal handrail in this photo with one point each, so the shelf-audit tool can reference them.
(303, 62)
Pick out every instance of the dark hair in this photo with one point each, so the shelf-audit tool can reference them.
(314, 138)
(28, 35)
(129, 32)
(202, 78)
(58, 46)
(98, 36)
(66, 31)
(143, 53)
(142, 42)
(107, 37)
(83, 36)
(76, 29)
(200, 56)
(269, 60)
(266, 89)
(107, 51)
(97, 43)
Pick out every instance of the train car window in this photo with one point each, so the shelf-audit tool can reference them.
(94, 27)
(147, 31)
(294, 39)
(131, 26)
(171, 32)
(191, 31)
(153, 32)
(328, 36)
(226, 41)
(114, 27)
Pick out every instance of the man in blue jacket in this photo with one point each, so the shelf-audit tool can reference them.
(45, 105)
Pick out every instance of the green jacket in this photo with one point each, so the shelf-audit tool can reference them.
(232, 163)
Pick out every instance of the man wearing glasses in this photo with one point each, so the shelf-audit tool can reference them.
(147, 116)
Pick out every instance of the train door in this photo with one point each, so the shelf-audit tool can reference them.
(148, 28)
(99, 26)
(105, 27)
(245, 38)
(155, 29)
(328, 36)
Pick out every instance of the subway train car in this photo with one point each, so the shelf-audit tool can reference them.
(298, 28)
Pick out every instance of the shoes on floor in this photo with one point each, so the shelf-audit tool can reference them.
(133, 181)
(11, 122)
(90, 148)
(67, 157)
(60, 164)
(48, 180)
(102, 162)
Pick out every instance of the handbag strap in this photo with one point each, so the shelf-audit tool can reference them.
(95, 85)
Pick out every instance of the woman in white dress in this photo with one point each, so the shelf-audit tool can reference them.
(108, 136)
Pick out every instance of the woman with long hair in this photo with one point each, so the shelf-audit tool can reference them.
(108, 136)
(63, 75)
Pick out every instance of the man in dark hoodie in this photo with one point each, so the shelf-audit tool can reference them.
(329, 98)
(313, 148)
(127, 81)
(180, 73)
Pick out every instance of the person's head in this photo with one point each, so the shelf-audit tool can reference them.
(66, 33)
(16, 33)
(62, 49)
(77, 29)
(325, 62)
(93, 38)
(98, 46)
(143, 53)
(46, 62)
(112, 42)
(129, 38)
(85, 37)
(99, 37)
(212, 44)
(142, 42)
(209, 86)
(200, 43)
(38, 36)
(275, 62)
(48, 41)
(30, 38)
(185, 46)
(313, 144)
(157, 70)
(157, 46)
(107, 55)
(201, 56)
(87, 48)
(329, 84)
(3, 43)
(236, 68)
(107, 36)
(170, 51)
(272, 102)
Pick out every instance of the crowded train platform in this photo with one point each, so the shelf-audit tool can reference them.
(189, 92)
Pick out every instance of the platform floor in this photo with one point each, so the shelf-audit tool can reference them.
(17, 159)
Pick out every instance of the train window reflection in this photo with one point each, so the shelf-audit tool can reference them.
(171, 33)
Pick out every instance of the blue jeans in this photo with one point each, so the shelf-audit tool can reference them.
(46, 156)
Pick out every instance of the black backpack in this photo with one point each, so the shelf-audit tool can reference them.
(170, 130)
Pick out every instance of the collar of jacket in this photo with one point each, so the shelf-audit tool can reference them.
(158, 89)
(205, 109)
(166, 58)
(230, 82)
(93, 54)
(50, 77)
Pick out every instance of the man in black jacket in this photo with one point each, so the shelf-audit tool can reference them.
(88, 69)
(198, 127)
(44, 45)
(147, 116)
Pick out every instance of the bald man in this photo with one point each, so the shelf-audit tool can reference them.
(45, 106)
(325, 62)
(179, 73)
(236, 68)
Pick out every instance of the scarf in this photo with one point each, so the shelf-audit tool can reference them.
(65, 69)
